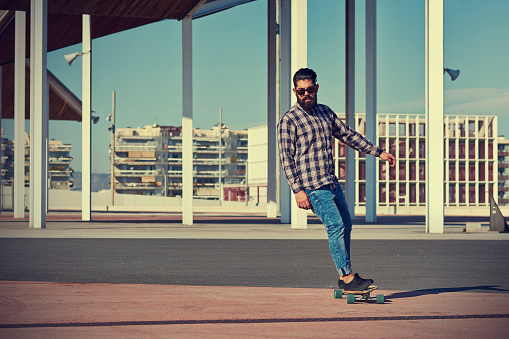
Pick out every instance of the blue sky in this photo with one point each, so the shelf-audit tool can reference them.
(143, 66)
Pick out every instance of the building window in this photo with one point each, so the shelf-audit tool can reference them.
(452, 193)
(413, 195)
(422, 129)
(402, 171)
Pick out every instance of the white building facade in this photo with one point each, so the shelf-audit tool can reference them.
(471, 164)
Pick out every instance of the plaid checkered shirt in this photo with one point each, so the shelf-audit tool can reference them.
(305, 146)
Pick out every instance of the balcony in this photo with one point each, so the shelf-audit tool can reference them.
(137, 173)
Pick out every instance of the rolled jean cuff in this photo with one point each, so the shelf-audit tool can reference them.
(345, 271)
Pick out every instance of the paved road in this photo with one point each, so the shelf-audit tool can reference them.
(411, 265)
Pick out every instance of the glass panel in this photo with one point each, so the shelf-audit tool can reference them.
(382, 171)
(362, 171)
(463, 198)
(422, 129)
(452, 193)
(411, 129)
(362, 192)
(392, 193)
(471, 149)
(482, 171)
(462, 150)
(422, 172)
(402, 149)
(482, 150)
(382, 193)
(412, 149)
(402, 193)
(413, 196)
(402, 129)
(402, 171)
(452, 172)
(471, 171)
(412, 171)
(422, 193)
(452, 150)
(462, 172)
(482, 195)
(392, 129)
(471, 194)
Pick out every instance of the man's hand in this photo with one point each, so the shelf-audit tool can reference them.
(303, 200)
(388, 157)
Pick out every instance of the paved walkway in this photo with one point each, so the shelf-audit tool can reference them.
(58, 310)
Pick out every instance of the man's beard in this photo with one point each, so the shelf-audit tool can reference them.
(308, 106)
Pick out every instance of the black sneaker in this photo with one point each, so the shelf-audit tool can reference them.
(357, 284)
(341, 284)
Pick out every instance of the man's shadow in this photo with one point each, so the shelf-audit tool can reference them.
(418, 293)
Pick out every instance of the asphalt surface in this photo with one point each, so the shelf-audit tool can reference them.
(406, 265)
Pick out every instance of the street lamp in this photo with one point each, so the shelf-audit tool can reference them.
(111, 117)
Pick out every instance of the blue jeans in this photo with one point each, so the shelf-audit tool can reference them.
(330, 207)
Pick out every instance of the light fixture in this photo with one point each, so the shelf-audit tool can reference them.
(453, 73)
(70, 57)
(95, 120)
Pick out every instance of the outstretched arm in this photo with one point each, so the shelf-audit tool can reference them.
(388, 157)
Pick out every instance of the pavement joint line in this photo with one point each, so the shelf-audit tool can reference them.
(257, 321)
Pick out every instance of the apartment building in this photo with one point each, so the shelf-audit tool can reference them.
(141, 160)
(148, 160)
(503, 171)
(59, 163)
(471, 164)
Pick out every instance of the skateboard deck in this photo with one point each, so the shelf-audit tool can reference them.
(364, 295)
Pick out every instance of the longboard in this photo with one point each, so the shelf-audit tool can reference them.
(365, 295)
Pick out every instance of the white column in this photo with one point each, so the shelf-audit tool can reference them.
(299, 57)
(371, 108)
(434, 106)
(31, 217)
(187, 121)
(272, 60)
(86, 123)
(40, 111)
(285, 98)
(350, 102)
(19, 114)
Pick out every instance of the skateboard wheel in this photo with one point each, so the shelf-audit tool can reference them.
(380, 299)
(350, 298)
(338, 294)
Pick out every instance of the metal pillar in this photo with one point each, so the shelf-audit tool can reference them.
(19, 115)
(285, 98)
(86, 122)
(350, 103)
(371, 108)
(39, 67)
(272, 118)
(434, 106)
(113, 138)
(187, 121)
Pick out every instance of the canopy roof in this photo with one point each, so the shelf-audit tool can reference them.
(65, 26)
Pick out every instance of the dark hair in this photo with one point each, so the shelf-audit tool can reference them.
(303, 74)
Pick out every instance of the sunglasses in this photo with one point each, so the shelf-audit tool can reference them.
(302, 91)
